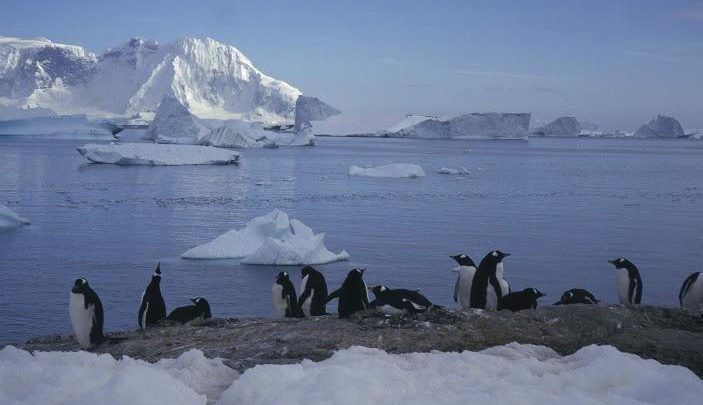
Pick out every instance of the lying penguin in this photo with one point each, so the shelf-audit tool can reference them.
(519, 300)
(200, 310)
(398, 301)
(577, 296)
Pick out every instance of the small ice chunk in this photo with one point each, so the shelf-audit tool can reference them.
(389, 170)
(8, 219)
(459, 170)
(158, 154)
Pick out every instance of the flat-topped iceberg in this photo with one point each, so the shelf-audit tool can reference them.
(390, 170)
(8, 219)
(272, 239)
(467, 126)
(158, 155)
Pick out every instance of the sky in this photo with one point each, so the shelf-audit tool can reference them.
(613, 63)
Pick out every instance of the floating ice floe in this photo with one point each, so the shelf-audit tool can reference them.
(269, 239)
(157, 154)
(389, 170)
(449, 170)
(8, 219)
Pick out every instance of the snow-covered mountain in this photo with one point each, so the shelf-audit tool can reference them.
(211, 79)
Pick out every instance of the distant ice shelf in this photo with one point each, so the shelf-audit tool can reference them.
(157, 154)
(406, 170)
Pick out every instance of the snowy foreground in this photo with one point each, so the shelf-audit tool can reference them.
(8, 219)
(273, 239)
(512, 373)
(157, 155)
(389, 170)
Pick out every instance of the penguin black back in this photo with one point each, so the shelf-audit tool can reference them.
(519, 300)
(153, 307)
(577, 296)
(285, 301)
(313, 292)
(199, 310)
(397, 300)
(628, 282)
(485, 278)
(352, 294)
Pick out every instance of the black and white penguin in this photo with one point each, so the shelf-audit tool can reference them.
(152, 308)
(398, 301)
(285, 302)
(466, 271)
(691, 293)
(352, 294)
(200, 310)
(86, 313)
(577, 296)
(313, 293)
(486, 290)
(628, 282)
(519, 300)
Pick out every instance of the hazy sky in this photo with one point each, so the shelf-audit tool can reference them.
(615, 63)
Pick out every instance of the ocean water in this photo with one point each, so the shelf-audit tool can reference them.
(561, 207)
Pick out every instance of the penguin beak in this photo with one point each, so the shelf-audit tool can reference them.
(506, 254)
(613, 261)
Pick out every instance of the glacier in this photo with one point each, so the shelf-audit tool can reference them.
(157, 155)
(660, 127)
(466, 126)
(62, 126)
(513, 373)
(212, 79)
(273, 239)
(407, 170)
(9, 219)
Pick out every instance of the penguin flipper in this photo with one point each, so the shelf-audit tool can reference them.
(456, 290)
(303, 297)
(333, 295)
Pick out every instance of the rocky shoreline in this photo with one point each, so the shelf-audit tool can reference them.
(668, 335)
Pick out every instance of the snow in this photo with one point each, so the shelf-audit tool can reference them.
(389, 170)
(272, 239)
(514, 373)
(157, 155)
(467, 126)
(88, 378)
(8, 219)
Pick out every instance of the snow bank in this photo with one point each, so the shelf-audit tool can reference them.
(88, 378)
(8, 219)
(269, 239)
(390, 170)
(157, 155)
(512, 374)
(467, 126)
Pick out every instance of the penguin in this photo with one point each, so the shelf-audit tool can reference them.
(200, 310)
(398, 301)
(577, 296)
(313, 293)
(486, 290)
(519, 300)
(466, 271)
(691, 293)
(86, 313)
(504, 286)
(285, 302)
(152, 308)
(628, 282)
(352, 294)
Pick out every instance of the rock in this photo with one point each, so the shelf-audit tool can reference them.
(661, 127)
(562, 126)
(670, 336)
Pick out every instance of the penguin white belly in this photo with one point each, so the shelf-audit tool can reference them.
(391, 310)
(415, 305)
(622, 285)
(491, 298)
(307, 304)
(694, 297)
(81, 319)
(466, 278)
(279, 304)
(504, 287)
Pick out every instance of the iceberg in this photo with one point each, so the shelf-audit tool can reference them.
(449, 170)
(562, 126)
(173, 123)
(389, 170)
(467, 126)
(311, 109)
(228, 137)
(272, 239)
(8, 219)
(61, 126)
(157, 155)
(660, 127)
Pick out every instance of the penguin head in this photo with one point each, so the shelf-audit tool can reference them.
(156, 277)
(621, 263)
(355, 274)
(464, 260)
(306, 271)
(80, 286)
(378, 289)
(493, 258)
(202, 304)
(535, 292)
(281, 277)
(499, 255)
(566, 298)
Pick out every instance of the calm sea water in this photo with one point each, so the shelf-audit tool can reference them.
(560, 206)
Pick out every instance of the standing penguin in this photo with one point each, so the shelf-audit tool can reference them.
(352, 294)
(519, 300)
(504, 286)
(398, 301)
(691, 293)
(86, 313)
(577, 296)
(313, 293)
(462, 288)
(628, 282)
(200, 310)
(285, 302)
(153, 307)
(486, 290)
